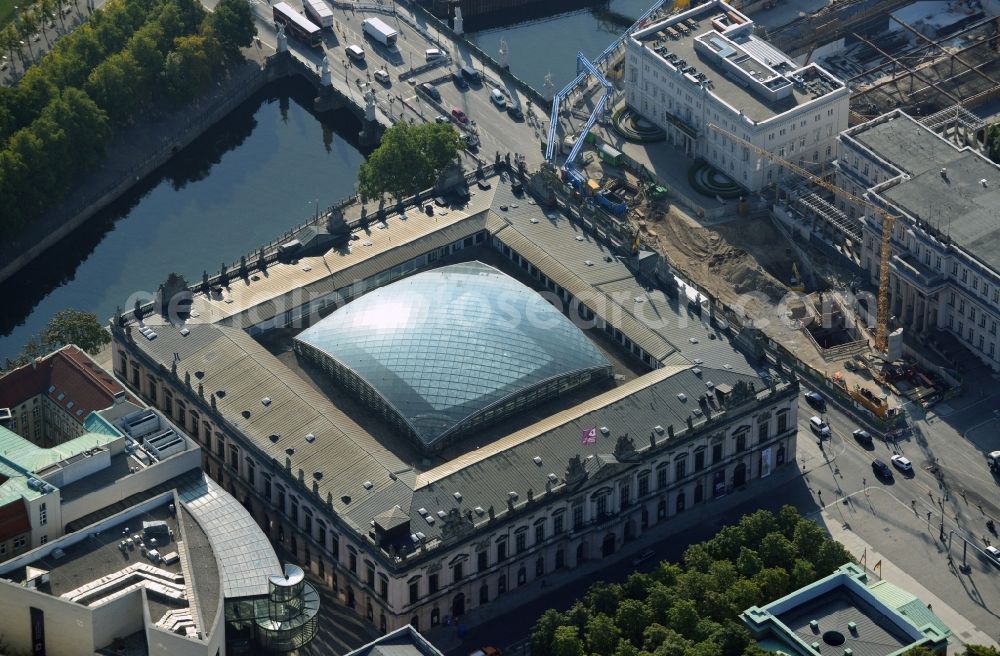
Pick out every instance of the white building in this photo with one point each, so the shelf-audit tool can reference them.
(705, 66)
(945, 273)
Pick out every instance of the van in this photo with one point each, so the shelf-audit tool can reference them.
(433, 53)
(819, 427)
(430, 90)
(470, 74)
(498, 98)
(459, 80)
(355, 52)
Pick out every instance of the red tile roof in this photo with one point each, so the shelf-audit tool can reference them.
(68, 372)
(14, 519)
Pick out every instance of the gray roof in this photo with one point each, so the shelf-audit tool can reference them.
(405, 641)
(833, 610)
(245, 556)
(958, 204)
(723, 85)
(905, 143)
(444, 346)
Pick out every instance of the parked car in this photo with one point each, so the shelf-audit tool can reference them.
(881, 469)
(459, 115)
(459, 80)
(862, 436)
(643, 557)
(433, 53)
(471, 74)
(993, 461)
(498, 99)
(902, 463)
(819, 427)
(815, 400)
(430, 90)
(993, 554)
(471, 141)
(382, 76)
(441, 118)
(514, 111)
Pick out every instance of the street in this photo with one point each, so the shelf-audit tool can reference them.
(399, 100)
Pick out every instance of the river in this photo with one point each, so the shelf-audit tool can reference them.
(248, 179)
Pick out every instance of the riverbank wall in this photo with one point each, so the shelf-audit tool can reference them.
(139, 150)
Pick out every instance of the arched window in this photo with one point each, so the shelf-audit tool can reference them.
(484, 593)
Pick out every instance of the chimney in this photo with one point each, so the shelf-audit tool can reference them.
(119, 397)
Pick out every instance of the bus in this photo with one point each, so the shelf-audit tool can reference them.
(296, 24)
(319, 12)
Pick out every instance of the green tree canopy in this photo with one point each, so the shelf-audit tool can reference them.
(408, 160)
(65, 327)
(693, 609)
(232, 23)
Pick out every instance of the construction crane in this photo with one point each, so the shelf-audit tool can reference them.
(888, 220)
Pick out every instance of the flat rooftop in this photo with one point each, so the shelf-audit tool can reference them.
(834, 611)
(96, 569)
(958, 204)
(905, 143)
(674, 40)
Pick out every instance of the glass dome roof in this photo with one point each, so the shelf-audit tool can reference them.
(442, 346)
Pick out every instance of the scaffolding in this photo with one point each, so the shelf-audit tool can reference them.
(812, 203)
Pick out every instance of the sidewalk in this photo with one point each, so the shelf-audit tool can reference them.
(963, 631)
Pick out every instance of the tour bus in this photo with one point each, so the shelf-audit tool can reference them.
(296, 25)
(319, 12)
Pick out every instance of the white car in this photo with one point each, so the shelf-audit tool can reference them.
(382, 76)
(498, 98)
(901, 463)
(994, 554)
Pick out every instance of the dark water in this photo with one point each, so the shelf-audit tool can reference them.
(543, 45)
(240, 185)
(255, 175)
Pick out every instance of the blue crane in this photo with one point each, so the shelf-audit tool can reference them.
(582, 69)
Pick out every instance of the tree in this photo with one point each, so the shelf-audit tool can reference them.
(233, 25)
(408, 160)
(602, 635)
(76, 327)
(189, 66)
(566, 642)
(992, 142)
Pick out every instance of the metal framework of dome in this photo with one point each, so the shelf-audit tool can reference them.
(446, 351)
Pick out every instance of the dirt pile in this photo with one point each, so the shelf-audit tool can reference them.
(717, 259)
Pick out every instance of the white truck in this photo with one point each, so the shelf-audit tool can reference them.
(319, 12)
(377, 29)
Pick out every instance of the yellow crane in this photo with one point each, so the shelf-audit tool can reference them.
(888, 220)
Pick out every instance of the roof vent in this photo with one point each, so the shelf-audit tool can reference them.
(368, 485)
(696, 371)
(429, 519)
(698, 361)
(441, 514)
(318, 476)
(852, 627)
(221, 394)
(534, 220)
(944, 172)
(697, 412)
(537, 460)
(185, 332)
(693, 340)
(275, 437)
(513, 495)
(199, 374)
(345, 499)
(814, 625)
(290, 451)
(420, 535)
(310, 438)
(984, 182)
(658, 429)
(246, 414)
(479, 510)
(458, 496)
(605, 430)
(266, 401)
(682, 396)
(553, 477)
(588, 262)
(709, 384)
(422, 512)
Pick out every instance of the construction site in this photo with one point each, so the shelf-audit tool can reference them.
(784, 263)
